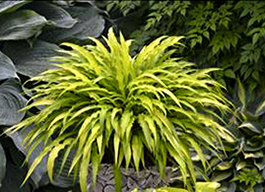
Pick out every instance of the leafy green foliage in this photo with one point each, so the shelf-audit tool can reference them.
(101, 100)
(227, 34)
(250, 177)
(242, 169)
(124, 6)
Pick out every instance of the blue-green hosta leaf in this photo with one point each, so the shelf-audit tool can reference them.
(39, 173)
(221, 175)
(259, 187)
(260, 109)
(252, 126)
(2, 164)
(255, 155)
(9, 6)
(254, 146)
(260, 163)
(63, 179)
(31, 61)
(21, 25)
(7, 67)
(55, 14)
(90, 24)
(10, 102)
(240, 165)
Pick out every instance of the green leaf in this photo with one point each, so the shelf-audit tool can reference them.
(252, 21)
(11, 101)
(244, 12)
(7, 67)
(7, 6)
(207, 186)
(31, 61)
(21, 25)
(221, 175)
(230, 73)
(225, 165)
(244, 58)
(95, 160)
(215, 48)
(255, 30)
(255, 75)
(53, 155)
(57, 16)
(255, 38)
(240, 165)
(255, 155)
(241, 93)
(213, 27)
(260, 109)
(248, 73)
(252, 126)
(206, 34)
(137, 149)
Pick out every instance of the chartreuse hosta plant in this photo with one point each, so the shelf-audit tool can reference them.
(102, 101)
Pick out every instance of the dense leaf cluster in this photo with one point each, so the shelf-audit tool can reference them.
(227, 34)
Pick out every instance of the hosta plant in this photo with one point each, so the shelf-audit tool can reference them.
(30, 31)
(242, 169)
(101, 102)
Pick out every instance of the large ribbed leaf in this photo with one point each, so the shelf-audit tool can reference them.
(57, 15)
(31, 61)
(9, 6)
(10, 102)
(2, 164)
(90, 24)
(38, 174)
(21, 25)
(7, 68)
(63, 179)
